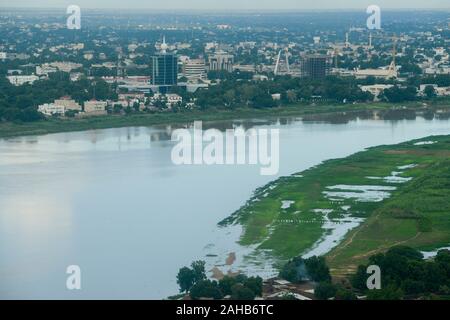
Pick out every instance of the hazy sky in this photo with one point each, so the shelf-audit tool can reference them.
(231, 4)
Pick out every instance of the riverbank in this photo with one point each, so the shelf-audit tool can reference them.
(326, 113)
(349, 209)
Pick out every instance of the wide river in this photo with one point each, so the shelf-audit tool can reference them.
(112, 202)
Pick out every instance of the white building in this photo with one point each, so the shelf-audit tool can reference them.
(221, 61)
(68, 103)
(376, 89)
(194, 70)
(45, 69)
(3, 55)
(442, 91)
(21, 80)
(95, 107)
(388, 73)
(170, 98)
(173, 99)
(65, 66)
(276, 96)
(49, 109)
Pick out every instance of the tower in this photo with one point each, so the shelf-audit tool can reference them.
(286, 57)
(164, 69)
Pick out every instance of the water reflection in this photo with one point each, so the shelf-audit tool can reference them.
(112, 202)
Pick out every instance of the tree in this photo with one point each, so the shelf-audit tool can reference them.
(255, 284)
(388, 293)
(429, 92)
(198, 268)
(325, 291)
(241, 292)
(185, 279)
(345, 294)
(317, 269)
(226, 284)
(206, 289)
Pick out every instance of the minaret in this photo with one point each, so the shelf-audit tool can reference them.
(164, 46)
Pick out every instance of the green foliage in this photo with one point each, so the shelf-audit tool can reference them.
(185, 279)
(404, 272)
(344, 294)
(194, 280)
(389, 293)
(206, 289)
(255, 284)
(19, 103)
(188, 277)
(325, 291)
(397, 94)
(226, 284)
(198, 268)
(317, 269)
(241, 292)
(298, 270)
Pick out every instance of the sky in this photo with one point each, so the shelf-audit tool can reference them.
(231, 4)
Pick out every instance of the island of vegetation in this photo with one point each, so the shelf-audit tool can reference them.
(350, 210)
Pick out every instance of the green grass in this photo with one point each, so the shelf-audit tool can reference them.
(417, 213)
(327, 112)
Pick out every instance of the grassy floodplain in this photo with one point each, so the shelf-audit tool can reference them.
(54, 125)
(411, 206)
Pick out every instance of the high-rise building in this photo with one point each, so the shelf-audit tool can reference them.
(221, 61)
(194, 70)
(315, 66)
(164, 69)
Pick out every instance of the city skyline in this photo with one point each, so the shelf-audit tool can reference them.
(235, 4)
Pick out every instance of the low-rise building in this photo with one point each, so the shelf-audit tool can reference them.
(173, 99)
(376, 89)
(45, 69)
(68, 103)
(95, 107)
(50, 109)
(21, 80)
(194, 70)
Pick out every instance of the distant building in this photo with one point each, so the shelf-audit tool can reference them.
(170, 99)
(388, 73)
(221, 61)
(3, 55)
(68, 103)
(245, 68)
(65, 66)
(194, 70)
(21, 80)
(376, 89)
(45, 69)
(276, 96)
(50, 109)
(95, 107)
(173, 99)
(315, 66)
(164, 70)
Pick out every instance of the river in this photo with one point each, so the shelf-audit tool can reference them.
(112, 202)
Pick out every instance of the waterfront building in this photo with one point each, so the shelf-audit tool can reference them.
(194, 70)
(164, 70)
(221, 61)
(315, 66)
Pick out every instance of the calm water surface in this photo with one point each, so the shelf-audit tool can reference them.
(112, 202)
